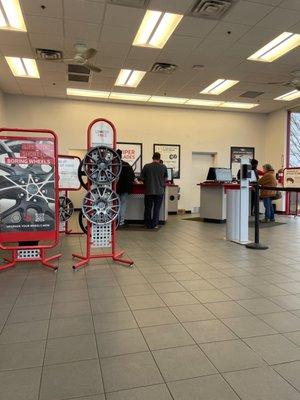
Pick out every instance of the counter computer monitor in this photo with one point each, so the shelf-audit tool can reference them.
(219, 174)
(170, 174)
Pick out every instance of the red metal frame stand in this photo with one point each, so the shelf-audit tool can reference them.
(68, 231)
(115, 255)
(41, 258)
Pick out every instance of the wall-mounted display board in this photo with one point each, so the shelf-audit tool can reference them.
(170, 154)
(236, 153)
(292, 178)
(133, 154)
(68, 172)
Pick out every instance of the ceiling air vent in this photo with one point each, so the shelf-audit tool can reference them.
(78, 78)
(47, 54)
(251, 94)
(130, 3)
(164, 68)
(214, 9)
(78, 69)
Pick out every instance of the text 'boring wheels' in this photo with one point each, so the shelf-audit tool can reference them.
(102, 165)
(101, 205)
(66, 208)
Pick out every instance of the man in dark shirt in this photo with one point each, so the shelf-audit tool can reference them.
(154, 176)
(124, 186)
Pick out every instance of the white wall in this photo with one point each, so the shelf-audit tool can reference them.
(194, 130)
(2, 110)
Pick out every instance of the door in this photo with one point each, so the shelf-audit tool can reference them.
(200, 166)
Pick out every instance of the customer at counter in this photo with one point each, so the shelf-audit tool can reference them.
(124, 186)
(154, 176)
(268, 179)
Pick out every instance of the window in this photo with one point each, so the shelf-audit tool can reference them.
(294, 140)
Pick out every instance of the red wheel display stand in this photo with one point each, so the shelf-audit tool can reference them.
(65, 189)
(101, 132)
(32, 153)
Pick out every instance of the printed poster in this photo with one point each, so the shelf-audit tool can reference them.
(133, 154)
(170, 155)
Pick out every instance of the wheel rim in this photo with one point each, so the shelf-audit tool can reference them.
(101, 206)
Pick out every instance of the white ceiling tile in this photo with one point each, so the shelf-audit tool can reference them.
(54, 90)
(197, 27)
(14, 38)
(117, 34)
(51, 66)
(291, 4)
(108, 49)
(228, 32)
(180, 43)
(136, 63)
(143, 53)
(269, 2)
(280, 18)
(82, 31)
(247, 12)
(45, 26)
(33, 7)
(111, 62)
(54, 76)
(174, 6)
(126, 17)
(83, 10)
(46, 41)
(259, 36)
(16, 51)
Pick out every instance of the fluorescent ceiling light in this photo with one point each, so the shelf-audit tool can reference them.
(156, 28)
(170, 100)
(23, 67)
(281, 45)
(129, 96)
(232, 104)
(11, 16)
(200, 102)
(87, 93)
(129, 78)
(219, 86)
(294, 94)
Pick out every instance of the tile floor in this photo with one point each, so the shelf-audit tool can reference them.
(197, 318)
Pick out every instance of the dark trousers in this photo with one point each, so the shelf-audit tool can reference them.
(152, 208)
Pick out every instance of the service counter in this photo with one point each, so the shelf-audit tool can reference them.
(135, 205)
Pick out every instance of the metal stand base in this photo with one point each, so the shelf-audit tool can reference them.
(256, 246)
(115, 257)
(42, 259)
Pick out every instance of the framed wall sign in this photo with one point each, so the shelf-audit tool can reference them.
(68, 172)
(236, 153)
(170, 154)
(133, 154)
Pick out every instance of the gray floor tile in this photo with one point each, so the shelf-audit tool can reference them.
(114, 321)
(282, 322)
(227, 309)
(222, 283)
(108, 305)
(178, 298)
(251, 385)
(210, 296)
(250, 326)
(34, 299)
(185, 276)
(76, 308)
(269, 290)
(105, 293)
(274, 349)
(161, 277)
(157, 392)
(290, 372)
(192, 312)
(136, 290)
(240, 293)
(168, 287)
(62, 381)
(121, 342)
(232, 355)
(30, 313)
(20, 385)
(165, 336)
(64, 296)
(24, 332)
(145, 301)
(290, 302)
(129, 371)
(69, 349)
(294, 337)
(21, 355)
(154, 316)
(260, 306)
(183, 362)
(197, 284)
(209, 331)
(62, 327)
(205, 388)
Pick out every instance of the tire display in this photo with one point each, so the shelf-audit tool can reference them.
(66, 208)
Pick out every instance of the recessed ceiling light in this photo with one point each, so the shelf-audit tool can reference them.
(170, 100)
(129, 96)
(87, 93)
(279, 46)
(200, 102)
(129, 78)
(23, 67)
(156, 28)
(11, 16)
(294, 94)
(234, 104)
(219, 86)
